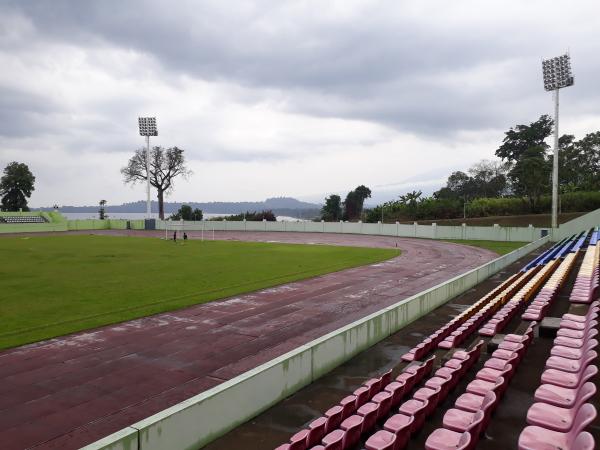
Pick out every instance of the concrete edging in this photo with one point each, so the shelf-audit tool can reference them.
(199, 420)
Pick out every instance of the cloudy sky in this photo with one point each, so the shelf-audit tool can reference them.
(271, 98)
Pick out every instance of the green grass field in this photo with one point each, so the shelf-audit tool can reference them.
(502, 248)
(57, 285)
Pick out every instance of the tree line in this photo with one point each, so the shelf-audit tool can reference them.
(519, 182)
(350, 209)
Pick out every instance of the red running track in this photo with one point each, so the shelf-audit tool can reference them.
(70, 391)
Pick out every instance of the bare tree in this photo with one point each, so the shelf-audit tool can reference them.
(165, 165)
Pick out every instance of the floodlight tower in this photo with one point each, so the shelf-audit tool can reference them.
(147, 127)
(557, 75)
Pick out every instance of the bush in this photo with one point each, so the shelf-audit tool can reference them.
(251, 216)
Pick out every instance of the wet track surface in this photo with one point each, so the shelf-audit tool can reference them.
(70, 391)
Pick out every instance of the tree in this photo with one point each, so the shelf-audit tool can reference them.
(16, 186)
(102, 211)
(531, 175)
(353, 205)
(332, 209)
(185, 212)
(519, 139)
(165, 166)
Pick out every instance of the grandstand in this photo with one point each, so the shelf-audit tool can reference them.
(22, 219)
(458, 389)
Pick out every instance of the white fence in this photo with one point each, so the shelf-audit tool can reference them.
(493, 233)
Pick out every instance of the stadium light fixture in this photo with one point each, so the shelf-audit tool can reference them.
(557, 75)
(147, 126)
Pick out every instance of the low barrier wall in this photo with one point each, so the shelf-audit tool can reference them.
(494, 233)
(72, 225)
(197, 421)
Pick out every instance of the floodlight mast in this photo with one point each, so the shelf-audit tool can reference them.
(557, 75)
(147, 126)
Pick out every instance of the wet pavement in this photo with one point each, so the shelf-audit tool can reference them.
(276, 425)
(70, 391)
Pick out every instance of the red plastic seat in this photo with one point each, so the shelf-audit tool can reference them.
(469, 402)
(538, 438)
(353, 428)
(557, 418)
(400, 425)
(442, 439)
(334, 440)
(283, 447)
(459, 420)
(386, 378)
(417, 409)
(316, 431)
(382, 440)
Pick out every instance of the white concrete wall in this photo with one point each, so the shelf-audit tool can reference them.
(494, 233)
(204, 417)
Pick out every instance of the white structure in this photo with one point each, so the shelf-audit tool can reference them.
(557, 75)
(147, 127)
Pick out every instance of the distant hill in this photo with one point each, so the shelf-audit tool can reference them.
(281, 206)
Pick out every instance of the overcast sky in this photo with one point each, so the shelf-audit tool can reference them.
(272, 98)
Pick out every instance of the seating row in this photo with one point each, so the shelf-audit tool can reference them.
(538, 308)
(432, 341)
(585, 288)
(560, 413)
(471, 414)
(412, 413)
(508, 307)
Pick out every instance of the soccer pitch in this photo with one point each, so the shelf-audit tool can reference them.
(57, 285)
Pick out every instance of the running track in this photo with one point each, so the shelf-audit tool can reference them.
(70, 391)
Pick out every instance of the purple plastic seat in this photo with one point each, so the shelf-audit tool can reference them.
(459, 420)
(400, 425)
(395, 388)
(482, 387)
(442, 439)
(558, 396)
(369, 411)
(415, 408)
(382, 440)
(571, 365)
(471, 402)
(334, 417)
(316, 431)
(374, 386)
(488, 374)
(429, 395)
(409, 380)
(362, 396)
(566, 379)
(441, 383)
(573, 334)
(557, 418)
(575, 343)
(334, 440)
(384, 400)
(348, 405)
(353, 428)
(573, 353)
(538, 438)
(299, 440)
(500, 364)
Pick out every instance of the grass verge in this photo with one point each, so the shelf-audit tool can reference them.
(500, 247)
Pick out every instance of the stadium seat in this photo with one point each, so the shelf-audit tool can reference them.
(382, 440)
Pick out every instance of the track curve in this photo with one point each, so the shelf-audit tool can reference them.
(70, 391)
